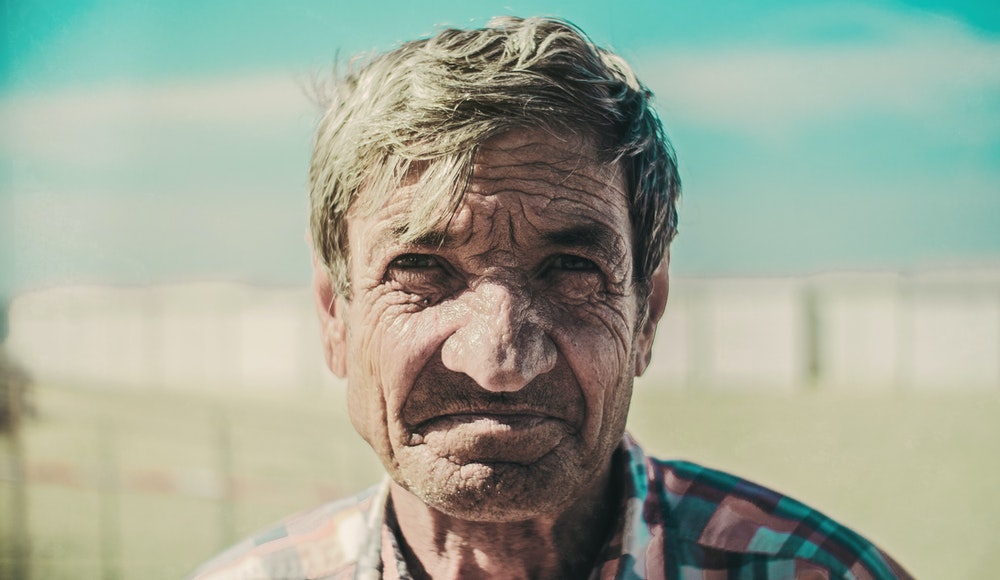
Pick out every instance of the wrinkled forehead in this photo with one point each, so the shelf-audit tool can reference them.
(560, 161)
(521, 171)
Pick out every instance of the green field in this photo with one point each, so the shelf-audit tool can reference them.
(917, 473)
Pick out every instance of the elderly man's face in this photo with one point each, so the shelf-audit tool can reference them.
(490, 365)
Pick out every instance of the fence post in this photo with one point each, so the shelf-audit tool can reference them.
(905, 361)
(19, 530)
(109, 516)
(700, 334)
(227, 499)
(813, 366)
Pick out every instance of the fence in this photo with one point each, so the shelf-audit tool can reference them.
(935, 330)
(139, 483)
(125, 483)
(930, 330)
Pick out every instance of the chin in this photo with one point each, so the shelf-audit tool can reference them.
(497, 492)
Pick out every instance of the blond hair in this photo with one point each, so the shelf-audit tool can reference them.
(424, 108)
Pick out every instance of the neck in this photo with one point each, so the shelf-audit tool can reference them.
(559, 545)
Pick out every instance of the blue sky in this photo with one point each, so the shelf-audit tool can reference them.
(165, 141)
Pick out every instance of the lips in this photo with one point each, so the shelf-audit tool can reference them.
(496, 416)
(492, 437)
(452, 417)
(494, 424)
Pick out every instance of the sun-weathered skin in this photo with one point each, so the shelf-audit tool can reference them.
(490, 362)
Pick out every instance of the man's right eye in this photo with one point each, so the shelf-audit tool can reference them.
(425, 278)
(415, 262)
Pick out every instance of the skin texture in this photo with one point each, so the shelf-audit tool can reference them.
(490, 364)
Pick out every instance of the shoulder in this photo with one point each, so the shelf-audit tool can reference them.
(322, 542)
(729, 520)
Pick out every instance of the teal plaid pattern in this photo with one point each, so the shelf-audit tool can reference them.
(683, 521)
(677, 521)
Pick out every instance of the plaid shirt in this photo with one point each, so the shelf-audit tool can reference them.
(677, 520)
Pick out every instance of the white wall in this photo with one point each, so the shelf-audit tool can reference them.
(937, 330)
(197, 335)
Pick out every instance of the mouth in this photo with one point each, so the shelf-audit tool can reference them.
(514, 419)
(520, 437)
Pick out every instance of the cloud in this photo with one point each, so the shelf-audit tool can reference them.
(912, 65)
(909, 64)
(102, 125)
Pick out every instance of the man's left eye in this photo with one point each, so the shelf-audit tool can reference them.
(573, 264)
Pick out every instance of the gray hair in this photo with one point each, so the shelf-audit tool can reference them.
(421, 111)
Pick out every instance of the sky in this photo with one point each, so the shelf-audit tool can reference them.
(168, 141)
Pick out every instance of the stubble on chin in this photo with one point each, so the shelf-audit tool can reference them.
(494, 491)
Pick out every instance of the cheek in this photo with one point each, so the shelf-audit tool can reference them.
(600, 335)
(400, 343)
(597, 342)
(366, 411)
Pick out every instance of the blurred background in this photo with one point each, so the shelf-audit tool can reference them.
(833, 329)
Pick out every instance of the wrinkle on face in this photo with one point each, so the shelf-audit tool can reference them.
(492, 373)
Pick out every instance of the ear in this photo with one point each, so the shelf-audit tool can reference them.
(331, 309)
(659, 289)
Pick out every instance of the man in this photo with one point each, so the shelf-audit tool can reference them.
(491, 212)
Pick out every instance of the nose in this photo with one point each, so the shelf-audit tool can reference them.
(501, 344)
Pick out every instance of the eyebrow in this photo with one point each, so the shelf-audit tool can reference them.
(593, 237)
(581, 235)
(435, 239)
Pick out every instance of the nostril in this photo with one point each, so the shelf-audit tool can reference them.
(499, 361)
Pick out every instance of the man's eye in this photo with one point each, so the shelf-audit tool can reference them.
(415, 262)
(573, 264)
